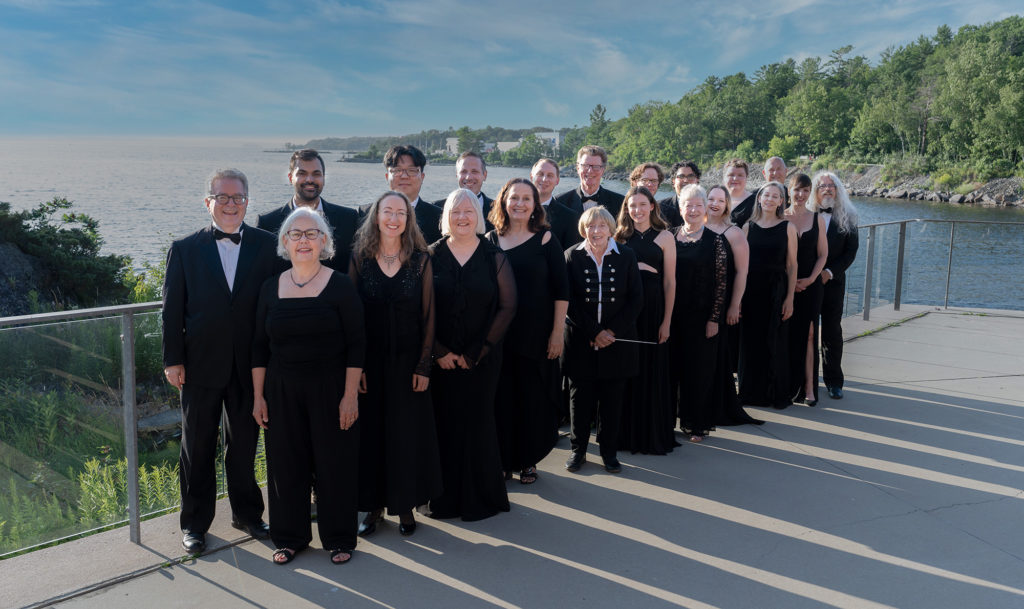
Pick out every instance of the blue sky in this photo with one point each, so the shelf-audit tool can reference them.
(315, 68)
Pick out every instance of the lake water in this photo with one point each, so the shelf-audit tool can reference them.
(146, 192)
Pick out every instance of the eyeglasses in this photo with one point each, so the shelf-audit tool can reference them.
(411, 172)
(390, 215)
(223, 199)
(685, 176)
(311, 234)
(826, 186)
(648, 181)
(590, 167)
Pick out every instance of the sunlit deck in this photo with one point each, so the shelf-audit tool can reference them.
(907, 493)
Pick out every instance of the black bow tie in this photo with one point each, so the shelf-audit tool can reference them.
(235, 238)
(825, 210)
(585, 198)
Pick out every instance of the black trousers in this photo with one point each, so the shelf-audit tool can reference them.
(832, 332)
(306, 448)
(201, 409)
(600, 398)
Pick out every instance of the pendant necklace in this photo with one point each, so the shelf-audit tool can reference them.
(389, 260)
(291, 275)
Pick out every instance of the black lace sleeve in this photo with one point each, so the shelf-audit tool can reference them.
(426, 351)
(719, 279)
(505, 311)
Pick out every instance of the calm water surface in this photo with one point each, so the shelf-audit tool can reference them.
(146, 192)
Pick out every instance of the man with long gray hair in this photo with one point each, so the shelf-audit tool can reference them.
(828, 196)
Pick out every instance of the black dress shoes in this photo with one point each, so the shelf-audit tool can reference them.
(407, 528)
(575, 461)
(369, 524)
(194, 543)
(612, 465)
(258, 529)
(836, 393)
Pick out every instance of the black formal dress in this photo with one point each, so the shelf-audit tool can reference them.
(564, 223)
(530, 385)
(648, 412)
(475, 305)
(764, 337)
(342, 220)
(726, 405)
(701, 287)
(207, 327)
(399, 463)
(741, 211)
(306, 345)
(806, 309)
(670, 211)
(842, 251)
(610, 299)
(573, 199)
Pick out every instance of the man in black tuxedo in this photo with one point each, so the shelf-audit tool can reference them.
(307, 173)
(683, 174)
(564, 221)
(471, 171)
(404, 170)
(211, 286)
(774, 170)
(829, 197)
(591, 162)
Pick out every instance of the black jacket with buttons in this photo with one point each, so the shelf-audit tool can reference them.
(621, 298)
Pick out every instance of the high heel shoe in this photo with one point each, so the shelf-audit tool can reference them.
(369, 524)
(406, 528)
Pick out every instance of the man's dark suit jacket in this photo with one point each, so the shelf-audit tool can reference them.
(573, 199)
(428, 218)
(670, 211)
(207, 325)
(343, 221)
(564, 224)
(842, 250)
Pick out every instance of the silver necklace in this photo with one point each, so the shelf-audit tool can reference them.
(692, 236)
(389, 260)
(291, 275)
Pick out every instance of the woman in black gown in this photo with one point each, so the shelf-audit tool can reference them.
(529, 388)
(727, 409)
(476, 300)
(701, 285)
(811, 253)
(399, 466)
(767, 303)
(308, 350)
(648, 411)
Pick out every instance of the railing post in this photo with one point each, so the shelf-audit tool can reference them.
(949, 263)
(868, 270)
(131, 436)
(898, 296)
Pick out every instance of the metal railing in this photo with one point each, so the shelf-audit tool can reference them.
(127, 314)
(872, 239)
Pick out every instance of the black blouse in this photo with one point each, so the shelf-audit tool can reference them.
(475, 301)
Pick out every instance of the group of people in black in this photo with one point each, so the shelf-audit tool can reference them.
(414, 356)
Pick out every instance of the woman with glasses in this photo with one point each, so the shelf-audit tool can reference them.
(308, 353)
(648, 412)
(767, 302)
(476, 301)
(399, 463)
(529, 389)
(811, 253)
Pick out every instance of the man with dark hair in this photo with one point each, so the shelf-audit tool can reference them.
(564, 221)
(211, 286)
(307, 174)
(591, 162)
(404, 171)
(683, 174)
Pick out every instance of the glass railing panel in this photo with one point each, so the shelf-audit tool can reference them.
(62, 467)
(986, 262)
